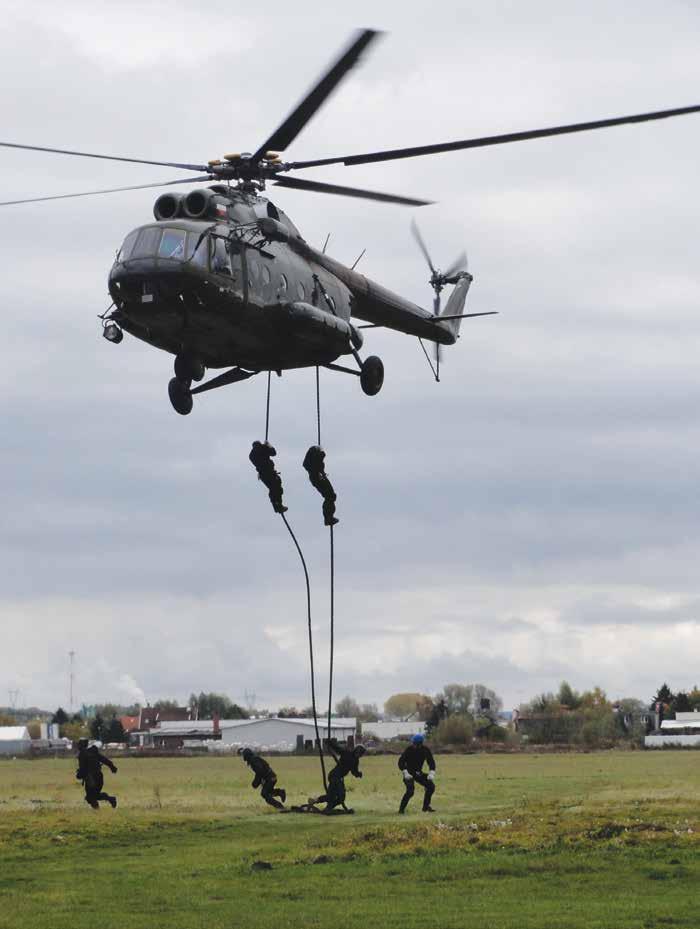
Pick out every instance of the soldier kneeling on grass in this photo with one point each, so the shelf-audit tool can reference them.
(89, 771)
(265, 777)
(347, 761)
(411, 766)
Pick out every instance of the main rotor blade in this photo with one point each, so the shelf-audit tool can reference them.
(391, 155)
(111, 190)
(421, 244)
(139, 161)
(316, 187)
(316, 97)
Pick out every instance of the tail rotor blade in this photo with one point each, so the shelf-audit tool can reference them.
(461, 263)
(421, 244)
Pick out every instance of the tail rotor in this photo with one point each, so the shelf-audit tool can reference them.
(438, 280)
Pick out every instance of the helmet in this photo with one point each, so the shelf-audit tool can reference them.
(360, 749)
(82, 743)
(418, 739)
(246, 754)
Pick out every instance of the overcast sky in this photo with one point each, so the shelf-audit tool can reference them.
(534, 517)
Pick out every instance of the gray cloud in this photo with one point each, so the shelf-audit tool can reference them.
(551, 474)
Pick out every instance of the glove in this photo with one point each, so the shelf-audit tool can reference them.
(431, 775)
(359, 773)
(406, 776)
(114, 769)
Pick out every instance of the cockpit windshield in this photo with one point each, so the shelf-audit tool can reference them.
(156, 241)
(172, 245)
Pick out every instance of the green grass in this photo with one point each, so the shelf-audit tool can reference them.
(609, 839)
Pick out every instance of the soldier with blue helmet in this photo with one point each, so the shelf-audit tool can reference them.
(411, 766)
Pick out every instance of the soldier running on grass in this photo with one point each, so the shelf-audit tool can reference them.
(265, 777)
(89, 771)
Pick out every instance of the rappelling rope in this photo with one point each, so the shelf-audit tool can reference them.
(267, 407)
(311, 651)
(281, 510)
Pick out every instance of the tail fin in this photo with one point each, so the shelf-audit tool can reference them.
(455, 304)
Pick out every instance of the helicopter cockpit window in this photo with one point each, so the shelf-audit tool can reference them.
(147, 245)
(220, 261)
(125, 250)
(172, 245)
(197, 248)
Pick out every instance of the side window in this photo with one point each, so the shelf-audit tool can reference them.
(220, 263)
(284, 284)
(129, 241)
(300, 291)
(266, 276)
(252, 272)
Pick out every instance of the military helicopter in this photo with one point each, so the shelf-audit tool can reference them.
(224, 279)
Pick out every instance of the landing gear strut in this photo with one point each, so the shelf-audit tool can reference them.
(188, 368)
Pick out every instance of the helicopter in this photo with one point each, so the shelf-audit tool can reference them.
(223, 279)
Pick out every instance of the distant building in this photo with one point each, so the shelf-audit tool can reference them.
(394, 729)
(683, 730)
(14, 740)
(283, 735)
(129, 723)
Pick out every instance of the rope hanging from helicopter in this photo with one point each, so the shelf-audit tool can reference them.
(261, 456)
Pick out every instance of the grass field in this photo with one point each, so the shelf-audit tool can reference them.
(609, 839)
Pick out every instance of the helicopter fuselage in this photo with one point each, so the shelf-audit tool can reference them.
(238, 286)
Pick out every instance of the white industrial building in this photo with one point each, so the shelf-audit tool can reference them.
(14, 740)
(393, 729)
(683, 730)
(281, 735)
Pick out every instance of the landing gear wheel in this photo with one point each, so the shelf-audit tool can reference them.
(188, 368)
(180, 396)
(372, 375)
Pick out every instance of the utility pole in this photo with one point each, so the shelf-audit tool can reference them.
(71, 655)
(250, 699)
(14, 695)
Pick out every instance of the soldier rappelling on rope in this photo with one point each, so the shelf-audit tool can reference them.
(261, 456)
(314, 464)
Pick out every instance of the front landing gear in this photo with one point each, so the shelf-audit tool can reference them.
(372, 375)
(180, 396)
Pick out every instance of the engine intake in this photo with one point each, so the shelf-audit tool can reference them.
(168, 206)
(205, 204)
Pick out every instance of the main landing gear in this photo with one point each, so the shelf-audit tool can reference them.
(187, 369)
(372, 375)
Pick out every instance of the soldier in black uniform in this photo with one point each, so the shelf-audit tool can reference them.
(261, 456)
(265, 777)
(411, 766)
(89, 771)
(347, 761)
(314, 463)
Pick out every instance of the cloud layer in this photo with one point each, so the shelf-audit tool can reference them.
(532, 518)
